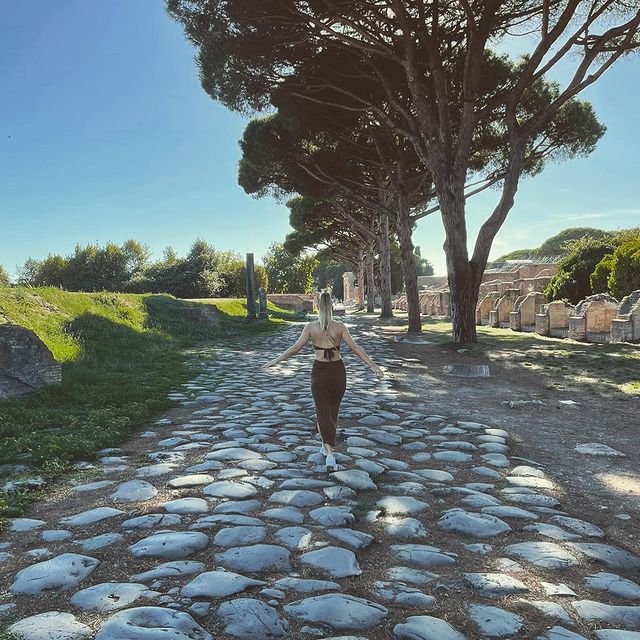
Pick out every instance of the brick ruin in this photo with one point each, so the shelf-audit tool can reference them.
(511, 297)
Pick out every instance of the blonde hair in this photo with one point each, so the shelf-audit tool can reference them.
(325, 310)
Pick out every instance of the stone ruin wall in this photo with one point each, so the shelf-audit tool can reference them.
(519, 304)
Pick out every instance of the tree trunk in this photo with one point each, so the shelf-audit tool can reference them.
(384, 267)
(464, 289)
(408, 266)
(361, 279)
(371, 283)
(464, 283)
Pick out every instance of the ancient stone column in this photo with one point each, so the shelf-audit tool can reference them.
(251, 288)
(262, 300)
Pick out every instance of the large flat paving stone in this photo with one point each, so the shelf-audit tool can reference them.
(614, 585)
(423, 555)
(336, 561)
(339, 611)
(239, 536)
(91, 516)
(547, 555)
(494, 622)
(609, 555)
(174, 569)
(355, 479)
(255, 558)
(134, 491)
(475, 525)
(426, 628)
(63, 572)
(151, 623)
(108, 596)
(297, 498)
(251, 619)
(230, 489)
(401, 505)
(218, 584)
(171, 545)
(52, 625)
(618, 615)
(495, 584)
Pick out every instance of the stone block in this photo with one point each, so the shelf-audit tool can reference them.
(26, 364)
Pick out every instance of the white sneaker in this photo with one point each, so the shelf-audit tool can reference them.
(331, 462)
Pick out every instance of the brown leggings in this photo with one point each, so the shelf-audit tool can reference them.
(328, 384)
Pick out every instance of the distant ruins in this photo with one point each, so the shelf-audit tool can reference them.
(511, 297)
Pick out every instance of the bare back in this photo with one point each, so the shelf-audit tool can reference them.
(329, 341)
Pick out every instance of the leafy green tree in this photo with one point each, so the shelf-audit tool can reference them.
(4, 277)
(328, 275)
(625, 269)
(572, 281)
(288, 273)
(457, 98)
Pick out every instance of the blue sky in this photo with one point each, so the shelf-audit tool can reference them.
(106, 134)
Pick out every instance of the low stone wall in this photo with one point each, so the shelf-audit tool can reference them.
(293, 301)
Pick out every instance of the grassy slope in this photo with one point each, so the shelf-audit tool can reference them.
(120, 355)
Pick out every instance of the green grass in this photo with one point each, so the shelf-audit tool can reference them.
(120, 355)
(608, 367)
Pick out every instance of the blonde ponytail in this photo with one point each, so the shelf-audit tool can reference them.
(325, 310)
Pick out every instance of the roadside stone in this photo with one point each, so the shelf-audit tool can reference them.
(406, 528)
(579, 526)
(297, 498)
(186, 506)
(100, 542)
(230, 489)
(300, 585)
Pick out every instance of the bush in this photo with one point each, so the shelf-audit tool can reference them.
(599, 279)
(573, 278)
(625, 269)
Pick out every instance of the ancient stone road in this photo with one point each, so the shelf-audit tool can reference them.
(223, 524)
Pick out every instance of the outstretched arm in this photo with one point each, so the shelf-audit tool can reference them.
(351, 343)
(292, 350)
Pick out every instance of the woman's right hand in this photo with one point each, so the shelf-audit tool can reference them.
(377, 371)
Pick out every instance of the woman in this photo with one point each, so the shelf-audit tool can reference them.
(328, 375)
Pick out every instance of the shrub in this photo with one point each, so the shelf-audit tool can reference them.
(625, 269)
(599, 279)
(572, 280)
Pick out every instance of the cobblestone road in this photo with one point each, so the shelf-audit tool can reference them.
(220, 522)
